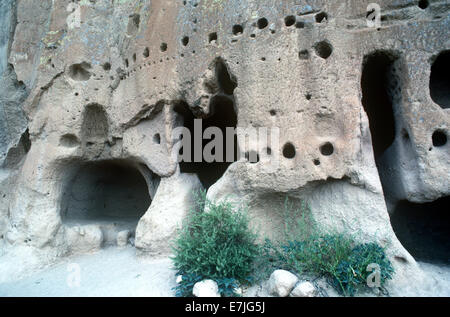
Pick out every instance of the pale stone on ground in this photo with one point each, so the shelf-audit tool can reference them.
(122, 238)
(206, 288)
(282, 282)
(303, 289)
(82, 239)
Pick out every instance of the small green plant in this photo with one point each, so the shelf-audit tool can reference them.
(227, 287)
(317, 254)
(351, 273)
(216, 244)
(184, 288)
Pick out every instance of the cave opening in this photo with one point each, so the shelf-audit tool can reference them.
(104, 192)
(440, 80)
(377, 99)
(222, 115)
(95, 125)
(80, 72)
(226, 84)
(424, 229)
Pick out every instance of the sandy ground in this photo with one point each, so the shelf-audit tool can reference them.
(441, 275)
(119, 272)
(109, 272)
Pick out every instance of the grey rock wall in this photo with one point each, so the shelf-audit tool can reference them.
(13, 122)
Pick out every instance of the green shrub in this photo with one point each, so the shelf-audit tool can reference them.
(227, 287)
(216, 245)
(352, 273)
(317, 254)
(307, 249)
(219, 245)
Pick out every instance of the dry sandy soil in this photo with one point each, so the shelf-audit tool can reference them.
(109, 272)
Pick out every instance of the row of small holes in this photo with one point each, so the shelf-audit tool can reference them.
(289, 152)
(262, 23)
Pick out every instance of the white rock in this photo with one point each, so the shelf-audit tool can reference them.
(303, 289)
(282, 282)
(122, 238)
(81, 239)
(206, 288)
(179, 279)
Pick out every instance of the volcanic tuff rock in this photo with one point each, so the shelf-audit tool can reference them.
(92, 92)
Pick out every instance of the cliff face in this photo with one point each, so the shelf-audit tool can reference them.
(357, 113)
(13, 124)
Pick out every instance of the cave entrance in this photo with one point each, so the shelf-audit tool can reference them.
(424, 229)
(108, 192)
(222, 114)
(377, 82)
(440, 80)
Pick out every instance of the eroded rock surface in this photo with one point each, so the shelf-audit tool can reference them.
(92, 88)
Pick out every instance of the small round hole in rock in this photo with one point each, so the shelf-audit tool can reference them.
(273, 112)
(212, 37)
(316, 162)
(323, 49)
(185, 41)
(289, 150)
(321, 17)
(308, 96)
(423, 4)
(289, 20)
(146, 52)
(439, 138)
(163, 47)
(238, 29)
(80, 72)
(304, 54)
(106, 66)
(262, 23)
(327, 149)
